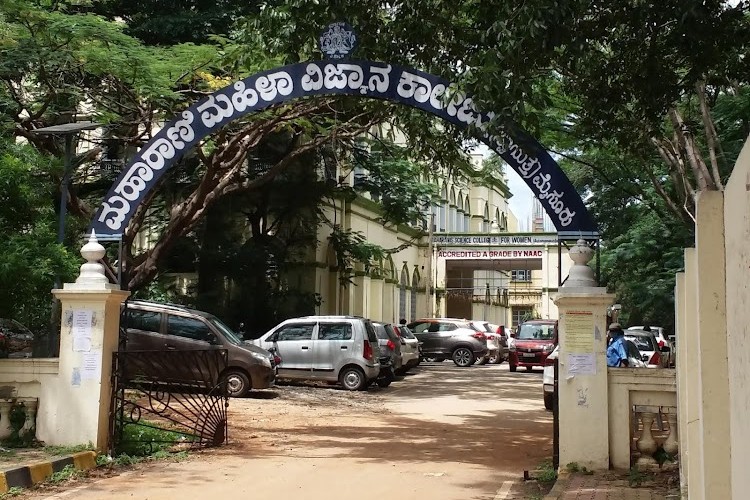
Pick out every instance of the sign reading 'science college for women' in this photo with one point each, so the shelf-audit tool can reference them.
(331, 77)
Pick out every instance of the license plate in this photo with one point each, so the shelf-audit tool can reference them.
(528, 354)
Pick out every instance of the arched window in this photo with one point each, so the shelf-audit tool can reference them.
(414, 286)
(450, 226)
(467, 214)
(402, 293)
(486, 220)
(443, 210)
(459, 227)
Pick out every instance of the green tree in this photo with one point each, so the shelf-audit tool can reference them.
(30, 258)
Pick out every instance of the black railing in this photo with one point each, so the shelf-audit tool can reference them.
(163, 398)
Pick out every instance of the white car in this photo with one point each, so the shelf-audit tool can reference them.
(493, 342)
(409, 348)
(548, 378)
(654, 353)
(663, 340)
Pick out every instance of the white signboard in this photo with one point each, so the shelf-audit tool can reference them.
(495, 240)
(484, 253)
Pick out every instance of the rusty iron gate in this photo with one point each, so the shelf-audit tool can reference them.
(164, 398)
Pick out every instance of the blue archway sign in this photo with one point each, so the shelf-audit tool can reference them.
(377, 80)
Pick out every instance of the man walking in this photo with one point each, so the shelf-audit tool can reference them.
(617, 354)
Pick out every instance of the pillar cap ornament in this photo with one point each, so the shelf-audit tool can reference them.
(581, 275)
(92, 272)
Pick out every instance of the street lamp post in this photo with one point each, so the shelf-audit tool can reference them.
(68, 131)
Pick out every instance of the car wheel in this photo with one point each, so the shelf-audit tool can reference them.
(353, 379)
(463, 357)
(548, 401)
(237, 383)
(384, 382)
(513, 367)
(483, 361)
(496, 359)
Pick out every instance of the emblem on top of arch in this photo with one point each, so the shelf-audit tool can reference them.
(338, 40)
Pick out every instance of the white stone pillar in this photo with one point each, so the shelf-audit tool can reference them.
(689, 360)
(583, 385)
(681, 323)
(88, 337)
(712, 336)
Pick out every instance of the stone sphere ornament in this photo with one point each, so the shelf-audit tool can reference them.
(581, 275)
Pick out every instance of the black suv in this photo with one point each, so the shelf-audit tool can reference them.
(449, 338)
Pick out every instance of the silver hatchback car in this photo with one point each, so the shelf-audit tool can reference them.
(340, 349)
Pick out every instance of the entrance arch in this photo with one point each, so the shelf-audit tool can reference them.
(368, 79)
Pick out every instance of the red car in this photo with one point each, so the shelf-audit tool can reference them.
(533, 342)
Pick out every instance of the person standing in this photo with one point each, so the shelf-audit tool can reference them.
(617, 354)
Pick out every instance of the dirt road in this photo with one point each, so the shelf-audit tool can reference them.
(440, 433)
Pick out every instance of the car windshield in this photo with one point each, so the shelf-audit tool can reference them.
(642, 342)
(380, 331)
(225, 330)
(405, 332)
(536, 331)
(633, 351)
(14, 328)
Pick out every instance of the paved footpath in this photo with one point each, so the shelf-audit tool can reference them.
(600, 487)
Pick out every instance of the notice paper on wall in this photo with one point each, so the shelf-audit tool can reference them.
(579, 331)
(81, 330)
(582, 363)
(91, 366)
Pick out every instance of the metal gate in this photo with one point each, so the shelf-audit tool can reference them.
(165, 398)
(556, 419)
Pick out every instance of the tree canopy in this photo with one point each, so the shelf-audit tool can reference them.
(646, 104)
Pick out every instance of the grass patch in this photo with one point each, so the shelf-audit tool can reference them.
(143, 440)
(67, 450)
(12, 492)
(636, 477)
(68, 473)
(546, 473)
(574, 467)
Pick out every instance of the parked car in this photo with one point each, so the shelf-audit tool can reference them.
(548, 378)
(389, 344)
(503, 355)
(15, 339)
(651, 353)
(493, 341)
(152, 326)
(449, 338)
(533, 342)
(341, 349)
(410, 356)
(663, 340)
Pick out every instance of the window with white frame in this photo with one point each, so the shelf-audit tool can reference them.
(520, 275)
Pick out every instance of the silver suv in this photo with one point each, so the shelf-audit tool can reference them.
(449, 338)
(340, 349)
